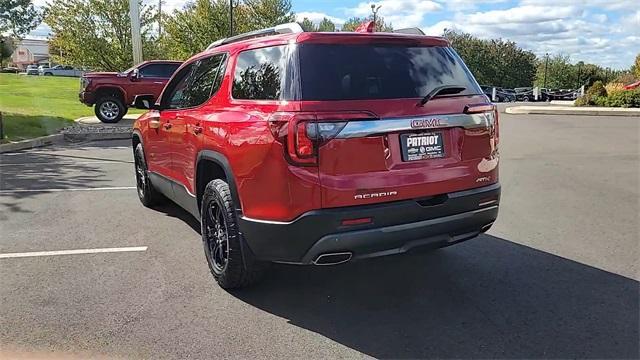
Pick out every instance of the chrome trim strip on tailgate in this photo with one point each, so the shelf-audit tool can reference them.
(363, 128)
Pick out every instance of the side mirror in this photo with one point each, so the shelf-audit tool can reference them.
(135, 74)
(145, 102)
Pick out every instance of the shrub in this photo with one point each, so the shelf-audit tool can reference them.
(625, 98)
(597, 89)
(614, 87)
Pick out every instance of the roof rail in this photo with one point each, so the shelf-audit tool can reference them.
(410, 31)
(288, 28)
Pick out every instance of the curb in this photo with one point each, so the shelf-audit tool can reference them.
(32, 143)
(557, 110)
(59, 139)
(96, 136)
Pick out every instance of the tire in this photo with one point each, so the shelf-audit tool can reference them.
(109, 109)
(230, 261)
(48, 74)
(147, 194)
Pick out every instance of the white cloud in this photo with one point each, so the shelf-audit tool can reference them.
(316, 17)
(528, 14)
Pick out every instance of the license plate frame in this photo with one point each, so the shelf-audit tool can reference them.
(422, 146)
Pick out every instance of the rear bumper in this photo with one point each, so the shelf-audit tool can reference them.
(396, 227)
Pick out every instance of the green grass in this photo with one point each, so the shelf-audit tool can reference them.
(35, 106)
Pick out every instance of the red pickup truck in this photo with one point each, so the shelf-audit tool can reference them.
(112, 93)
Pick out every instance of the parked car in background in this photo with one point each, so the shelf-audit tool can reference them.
(112, 93)
(61, 70)
(282, 162)
(32, 70)
(524, 94)
(632, 86)
(10, 70)
(501, 96)
(41, 68)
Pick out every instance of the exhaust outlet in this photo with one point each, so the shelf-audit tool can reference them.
(332, 258)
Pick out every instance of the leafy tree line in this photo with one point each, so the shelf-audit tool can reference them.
(557, 72)
(494, 62)
(97, 34)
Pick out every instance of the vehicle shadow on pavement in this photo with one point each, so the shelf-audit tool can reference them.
(486, 298)
(24, 173)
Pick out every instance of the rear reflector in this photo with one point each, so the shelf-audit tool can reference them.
(360, 221)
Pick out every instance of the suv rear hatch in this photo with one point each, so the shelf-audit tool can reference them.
(373, 141)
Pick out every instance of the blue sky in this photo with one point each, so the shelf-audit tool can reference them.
(605, 32)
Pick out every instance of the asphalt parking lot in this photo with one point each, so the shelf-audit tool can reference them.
(556, 277)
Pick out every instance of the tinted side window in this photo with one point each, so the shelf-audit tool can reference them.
(174, 92)
(203, 81)
(158, 70)
(259, 73)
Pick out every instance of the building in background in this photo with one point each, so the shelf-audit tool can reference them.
(31, 51)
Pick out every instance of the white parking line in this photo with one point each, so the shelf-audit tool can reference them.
(70, 189)
(68, 164)
(72, 252)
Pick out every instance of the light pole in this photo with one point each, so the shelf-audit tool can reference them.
(546, 63)
(1, 53)
(136, 40)
(230, 18)
(374, 10)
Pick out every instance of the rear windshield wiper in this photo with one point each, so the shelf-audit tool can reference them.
(441, 90)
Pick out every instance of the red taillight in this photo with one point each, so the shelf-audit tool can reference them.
(303, 133)
(303, 145)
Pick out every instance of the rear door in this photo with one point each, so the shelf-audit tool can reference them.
(389, 148)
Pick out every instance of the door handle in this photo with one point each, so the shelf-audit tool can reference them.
(197, 129)
(167, 126)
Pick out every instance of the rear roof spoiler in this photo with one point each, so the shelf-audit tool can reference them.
(410, 31)
(288, 28)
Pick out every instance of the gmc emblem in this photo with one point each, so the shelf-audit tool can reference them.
(426, 123)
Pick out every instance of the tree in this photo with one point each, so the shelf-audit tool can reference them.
(494, 62)
(635, 68)
(265, 13)
(6, 49)
(18, 17)
(307, 25)
(191, 29)
(326, 25)
(97, 33)
(353, 23)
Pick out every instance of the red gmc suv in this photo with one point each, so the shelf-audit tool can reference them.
(319, 148)
(112, 93)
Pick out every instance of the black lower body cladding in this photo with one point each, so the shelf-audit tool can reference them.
(396, 227)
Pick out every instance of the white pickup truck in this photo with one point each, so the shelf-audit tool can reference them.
(61, 70)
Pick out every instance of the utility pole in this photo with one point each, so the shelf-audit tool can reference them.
(159, 19)
(136, 40)
(375, 10)
(230, 18)
(1, 56)
(546, 63)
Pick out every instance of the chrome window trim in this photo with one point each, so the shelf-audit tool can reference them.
(364, 128)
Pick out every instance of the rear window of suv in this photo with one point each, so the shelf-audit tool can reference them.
(360, 72)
